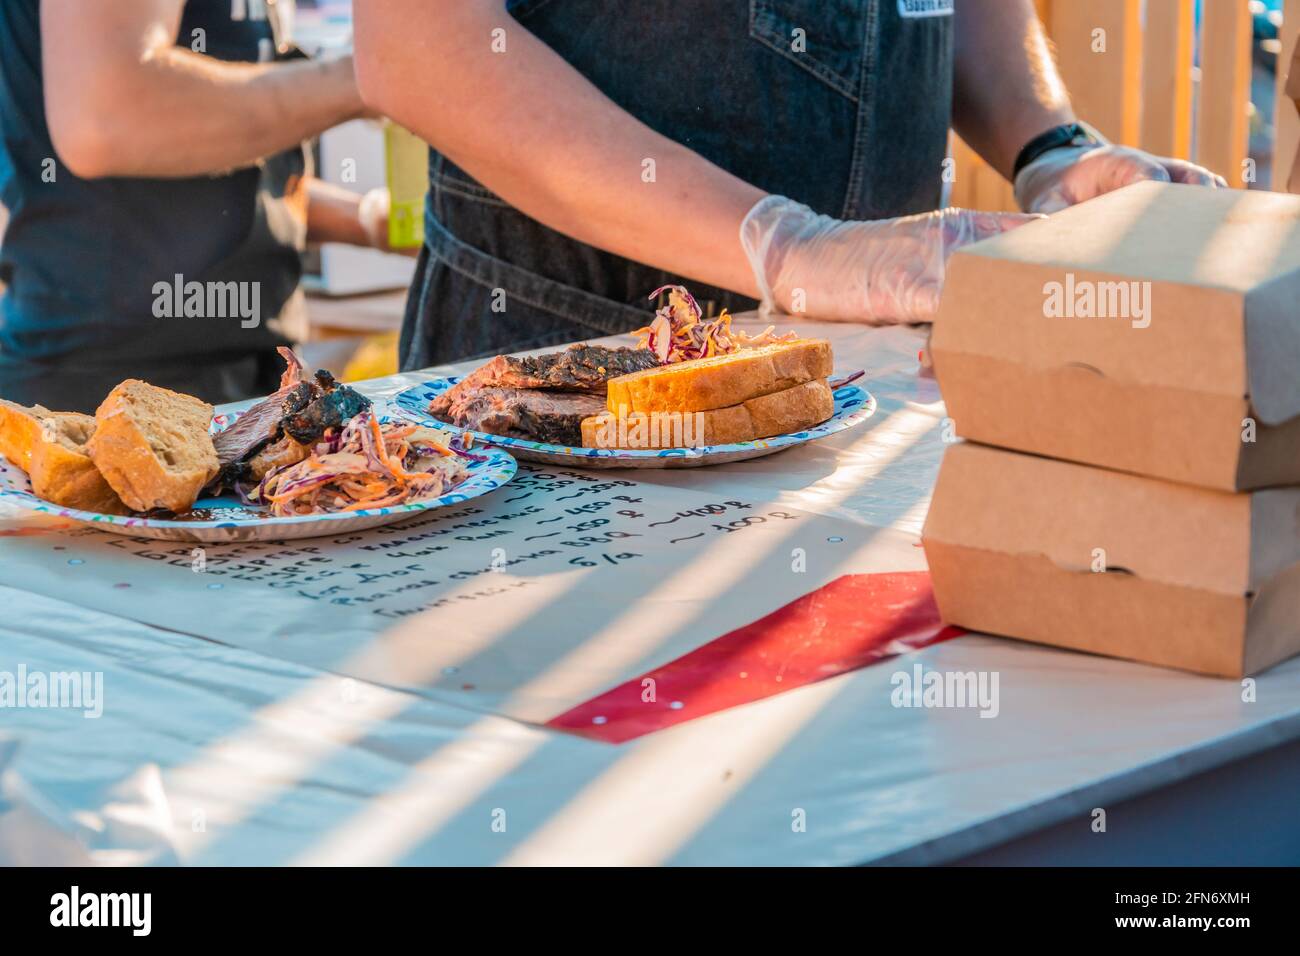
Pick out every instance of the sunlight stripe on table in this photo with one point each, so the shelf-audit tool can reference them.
(437, 789)
(230, 777)
(645, 807)
(399, 820)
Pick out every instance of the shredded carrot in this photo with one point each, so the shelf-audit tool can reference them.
(395, 499)
(379, 441)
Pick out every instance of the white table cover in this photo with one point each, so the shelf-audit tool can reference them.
(229, 749)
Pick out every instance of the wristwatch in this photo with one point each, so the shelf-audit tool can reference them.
(1067, 134)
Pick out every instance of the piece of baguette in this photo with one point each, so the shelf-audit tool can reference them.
(790, 410)
(152, 446)
(51, 448)
(721, 381)
(20, 431)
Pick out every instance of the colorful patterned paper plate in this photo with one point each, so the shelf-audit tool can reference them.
(853, 406)
(226, 519)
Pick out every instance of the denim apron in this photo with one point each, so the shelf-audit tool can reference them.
(841, 104)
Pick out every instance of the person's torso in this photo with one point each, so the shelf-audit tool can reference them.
(82, 259)
(841, 104)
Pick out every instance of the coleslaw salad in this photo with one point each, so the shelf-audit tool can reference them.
(362, 466)
(680, 333)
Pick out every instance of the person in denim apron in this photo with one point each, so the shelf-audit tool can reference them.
(120, 175)
(827, 119)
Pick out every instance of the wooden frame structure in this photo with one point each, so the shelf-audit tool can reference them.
(1129, 66)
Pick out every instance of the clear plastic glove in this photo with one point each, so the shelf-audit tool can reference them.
(1071, 174)
(880, 271)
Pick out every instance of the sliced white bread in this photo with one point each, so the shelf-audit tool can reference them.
(722, 381)
(789, 410)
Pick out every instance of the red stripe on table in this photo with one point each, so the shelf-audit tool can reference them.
(853, 621)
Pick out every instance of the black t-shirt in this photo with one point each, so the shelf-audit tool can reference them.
(81, 258)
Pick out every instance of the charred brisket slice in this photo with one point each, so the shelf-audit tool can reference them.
(554, 417)
(331, 405)
(261, 424)
(251, 431)
(302, 410)
(579, 368)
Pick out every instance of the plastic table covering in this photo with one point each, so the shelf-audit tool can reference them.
(274, 768)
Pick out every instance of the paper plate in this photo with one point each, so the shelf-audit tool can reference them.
(216, 520)
(853, 406)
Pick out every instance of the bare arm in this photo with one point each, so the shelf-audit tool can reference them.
(122, 100)
(334, 215)
(532, 129)
(1007, 88)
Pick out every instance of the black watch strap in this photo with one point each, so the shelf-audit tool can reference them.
(1067, 134)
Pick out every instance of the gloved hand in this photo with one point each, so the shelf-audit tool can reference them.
(878, 271)
(1071, 174)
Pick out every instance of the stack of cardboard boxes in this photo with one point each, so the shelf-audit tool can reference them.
(1126, 376)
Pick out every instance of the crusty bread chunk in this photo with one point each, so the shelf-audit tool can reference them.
(51, 448)
(789, 410)
(721, 381)
(153, 447)
(20, 431)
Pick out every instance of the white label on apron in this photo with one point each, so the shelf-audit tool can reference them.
(915, 9)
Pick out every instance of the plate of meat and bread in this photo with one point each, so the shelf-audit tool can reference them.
(312, 459)
(315, 458)
(656, 406)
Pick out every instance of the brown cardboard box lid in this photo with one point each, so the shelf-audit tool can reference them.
(1224, 268)
(1008, 502)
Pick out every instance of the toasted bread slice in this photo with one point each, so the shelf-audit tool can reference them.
(779, 413)
(721, 381)
(152, 446)
(51, 448)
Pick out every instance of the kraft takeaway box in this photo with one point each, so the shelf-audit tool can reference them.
(1155, 330)
(1115, 564)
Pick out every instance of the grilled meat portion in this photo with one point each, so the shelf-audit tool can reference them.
(254, 429)
(554, 417)
(327, 405)
(579, 368)
(540, 397)
(260, 425)
(301, 410)
(279, 453)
